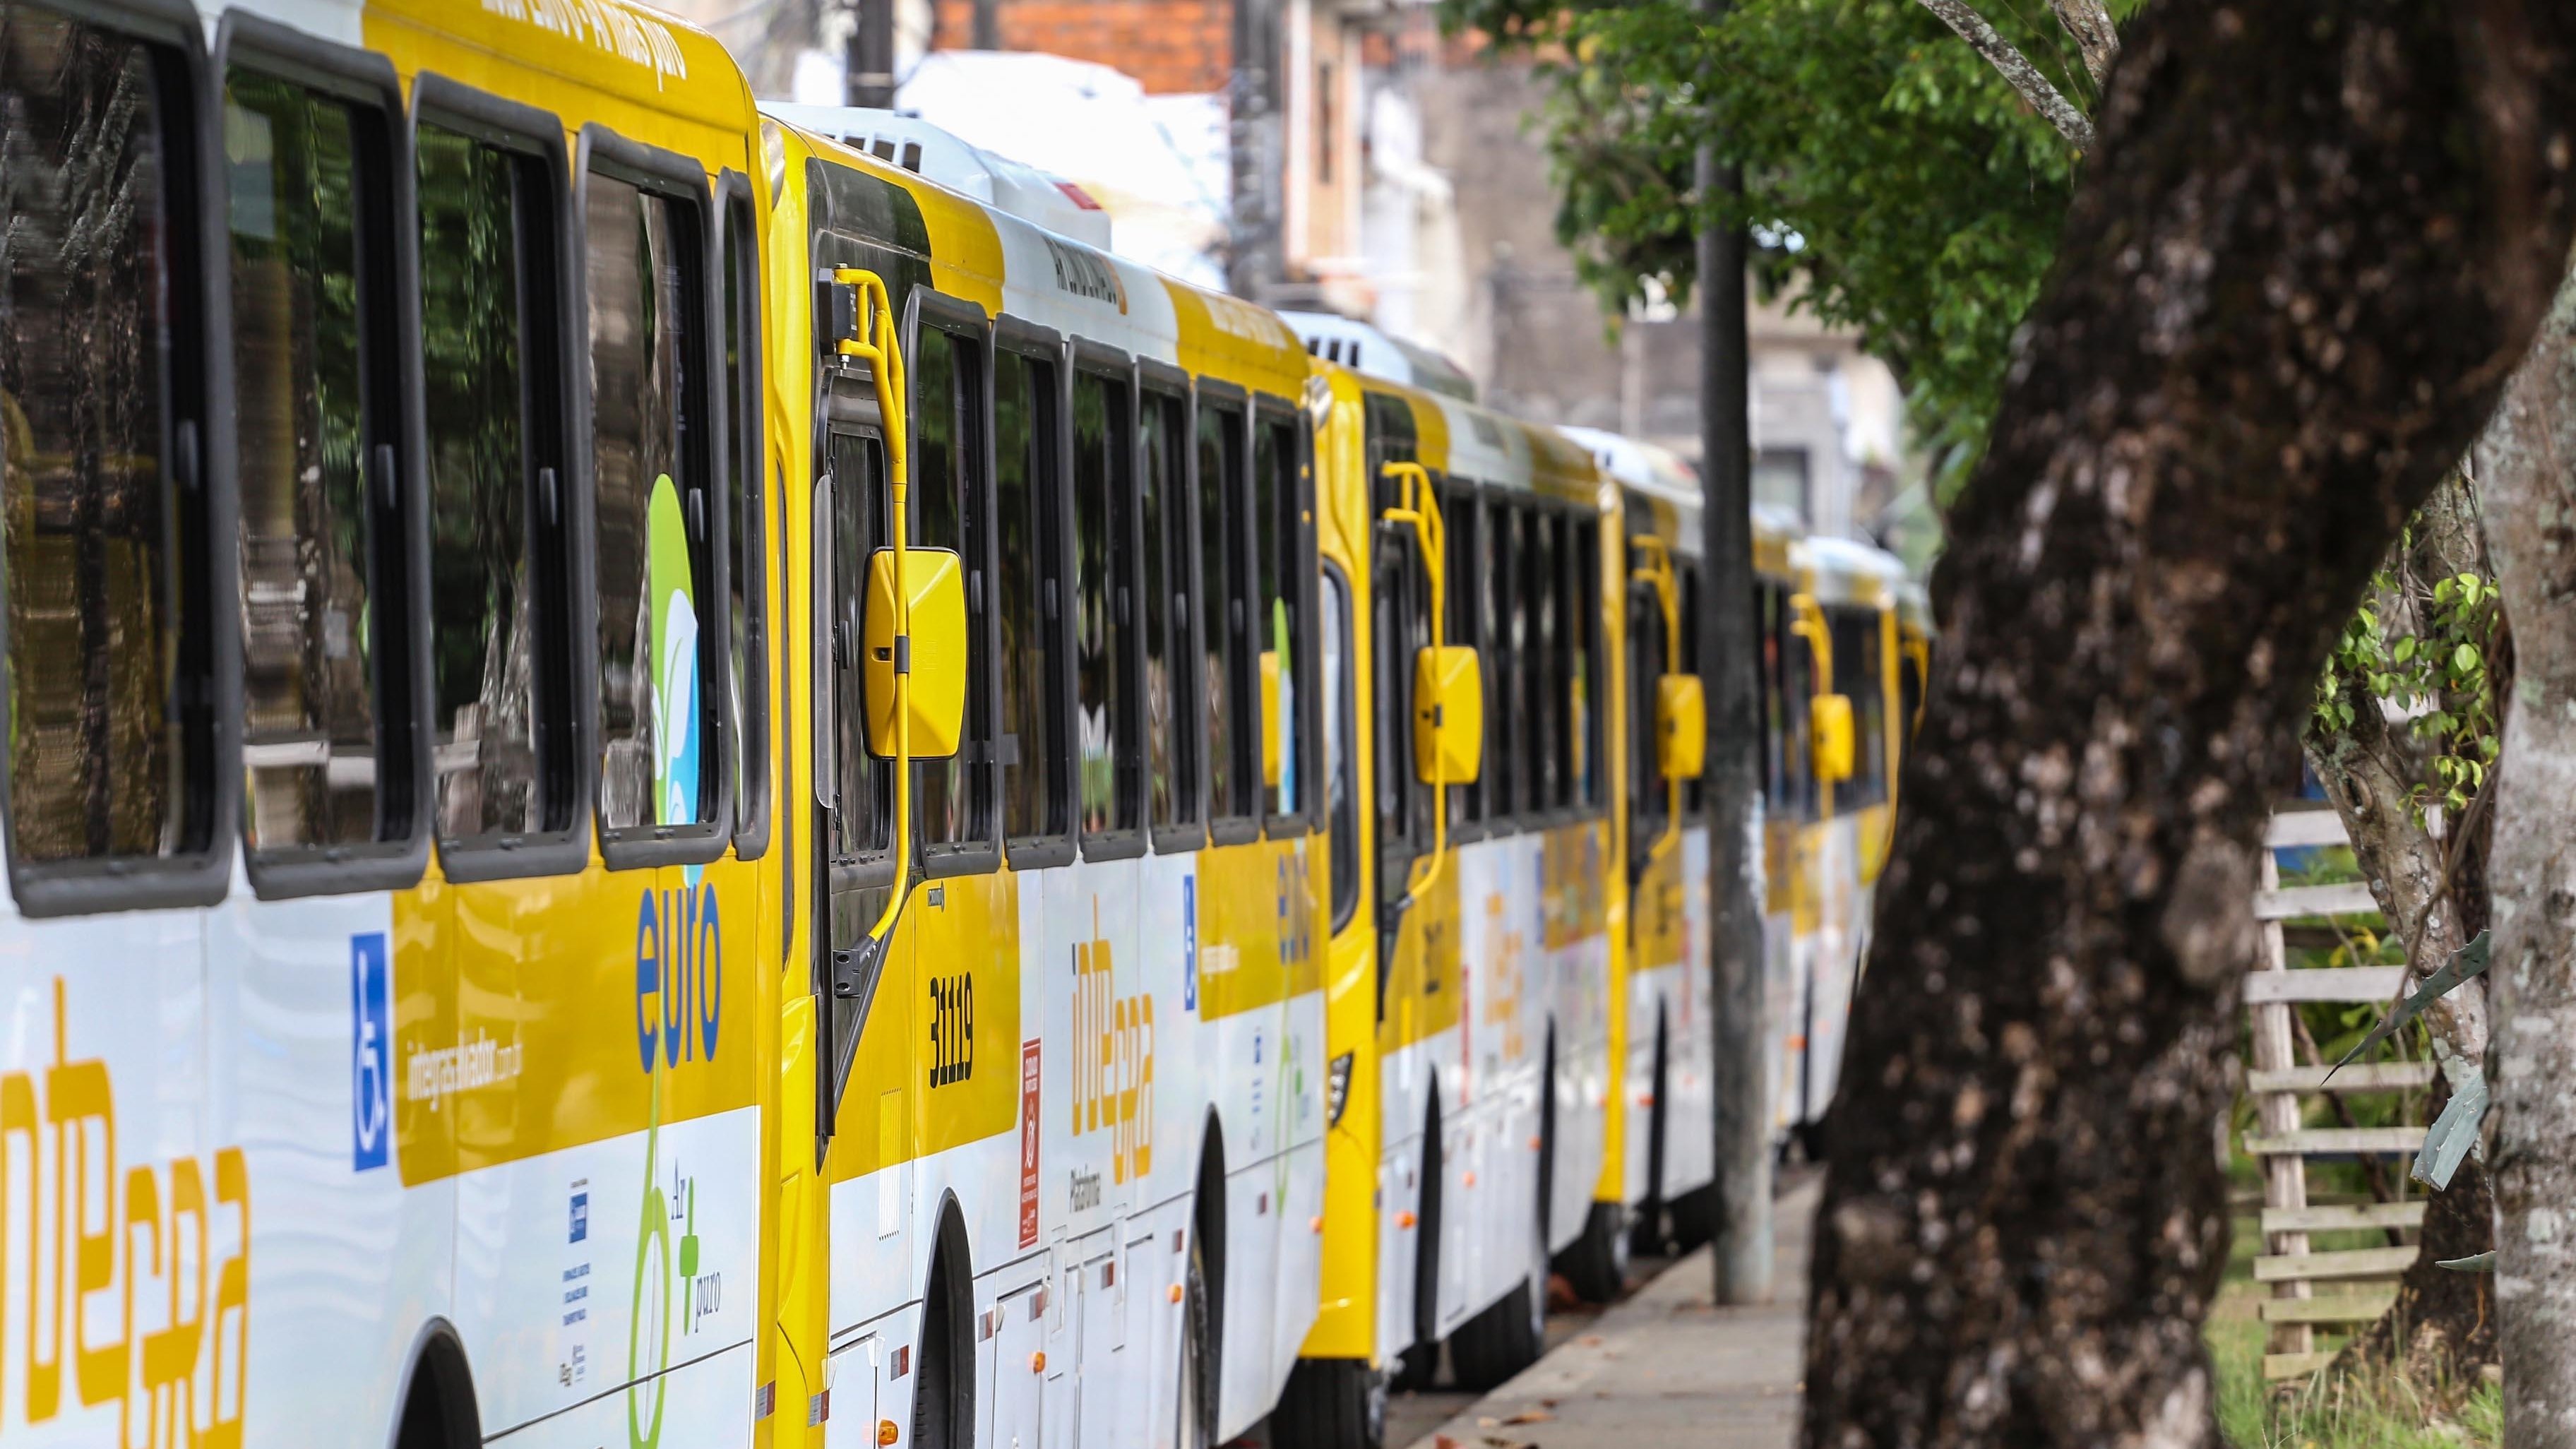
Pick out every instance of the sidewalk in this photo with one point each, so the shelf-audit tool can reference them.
(1666, 1367)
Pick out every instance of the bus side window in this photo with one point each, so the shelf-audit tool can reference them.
(862, 811)
(1591, 675)
(110, 621)
(1493, 558)
(1103, 608)
(1341, 741)
(744, 464)
(500, 558)
(955, 800)
(1284, 545)
(1027, 537)
(325, 564)
(1466, 590)
(1687, 660)
(1233, 741)
(1172, 738)
(656, 538)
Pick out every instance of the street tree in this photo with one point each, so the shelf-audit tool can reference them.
(2311, 241)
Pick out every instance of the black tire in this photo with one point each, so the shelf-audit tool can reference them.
(1331, 1403)
(934, 1390)
(1195, 1412)
(1419, 1362)
(1694, 1218)
(1511, 1333)
(1650, 1235)
(943, 1390)
(1595, 1265)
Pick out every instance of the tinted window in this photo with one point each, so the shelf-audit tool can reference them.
(1105, 698)
(1025, 518)
(1590, 675)
(947, 418)
(655, 571)
(1341, 743)
(748, 679)
(99, 631)
(863, 803)
(1687, 578)
(1505, 619)
(1463, 524)
(1170, 732)
(322, 599)
(1857, 663)
(1233, 768)
(1286, 557)
(499, 658)
(1540, 664)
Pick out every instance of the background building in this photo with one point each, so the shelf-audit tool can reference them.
(1341, 155)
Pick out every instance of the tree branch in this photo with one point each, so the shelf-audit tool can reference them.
(2016, 69)
(2088, 22)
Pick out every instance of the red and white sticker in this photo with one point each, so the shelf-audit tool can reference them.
(1028, 1144)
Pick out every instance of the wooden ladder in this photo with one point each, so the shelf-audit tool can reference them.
(2280, 1086)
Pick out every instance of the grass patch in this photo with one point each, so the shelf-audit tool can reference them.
(2377, 1409)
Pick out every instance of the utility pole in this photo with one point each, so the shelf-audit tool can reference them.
(1728, 662)
(868, 64)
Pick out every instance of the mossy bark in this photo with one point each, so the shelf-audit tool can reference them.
(2312, 241)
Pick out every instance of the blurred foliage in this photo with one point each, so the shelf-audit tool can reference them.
(1894, 183)
(2434, 672)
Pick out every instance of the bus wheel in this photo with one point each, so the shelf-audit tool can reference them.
(1596, 1264)
(1512, 1331)
(943, 1403)
(1331, 1403)
(1694, 1218)
(1195, 1422)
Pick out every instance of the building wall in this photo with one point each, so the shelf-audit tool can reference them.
(1175, 47)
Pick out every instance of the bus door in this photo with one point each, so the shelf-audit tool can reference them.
(853, 861)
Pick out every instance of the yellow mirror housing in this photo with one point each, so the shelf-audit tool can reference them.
(1448, 714)
(1681, 727)
(1829, 724)
(1271, 763)
(935, 655)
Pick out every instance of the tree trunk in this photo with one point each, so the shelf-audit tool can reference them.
(2524, 462)
(2313, 239)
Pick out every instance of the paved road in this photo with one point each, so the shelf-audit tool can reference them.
(1665, 1367)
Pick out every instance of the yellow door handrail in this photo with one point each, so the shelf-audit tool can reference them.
(1655, 569)
(1419, 506)
(877, 346)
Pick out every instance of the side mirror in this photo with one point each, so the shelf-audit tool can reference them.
(1829, 725)
(1681, 727)
(935, 656)
(1448, 715)
(1272, 763)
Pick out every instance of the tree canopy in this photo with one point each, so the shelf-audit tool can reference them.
(1893, 182)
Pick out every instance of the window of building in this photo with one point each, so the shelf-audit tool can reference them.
(109, 629)
(1026, 522)
(660, 671)
(1105, 731)
(1780, 479)
(326, 697)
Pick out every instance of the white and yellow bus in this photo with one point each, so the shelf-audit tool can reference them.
(669, 785)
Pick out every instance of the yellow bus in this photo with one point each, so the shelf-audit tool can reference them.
(684, 789)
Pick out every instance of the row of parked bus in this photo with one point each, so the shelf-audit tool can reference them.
(670, 786)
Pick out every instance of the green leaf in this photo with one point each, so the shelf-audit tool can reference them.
(2473, 1263)
(2466, 964)
(2405, 649)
